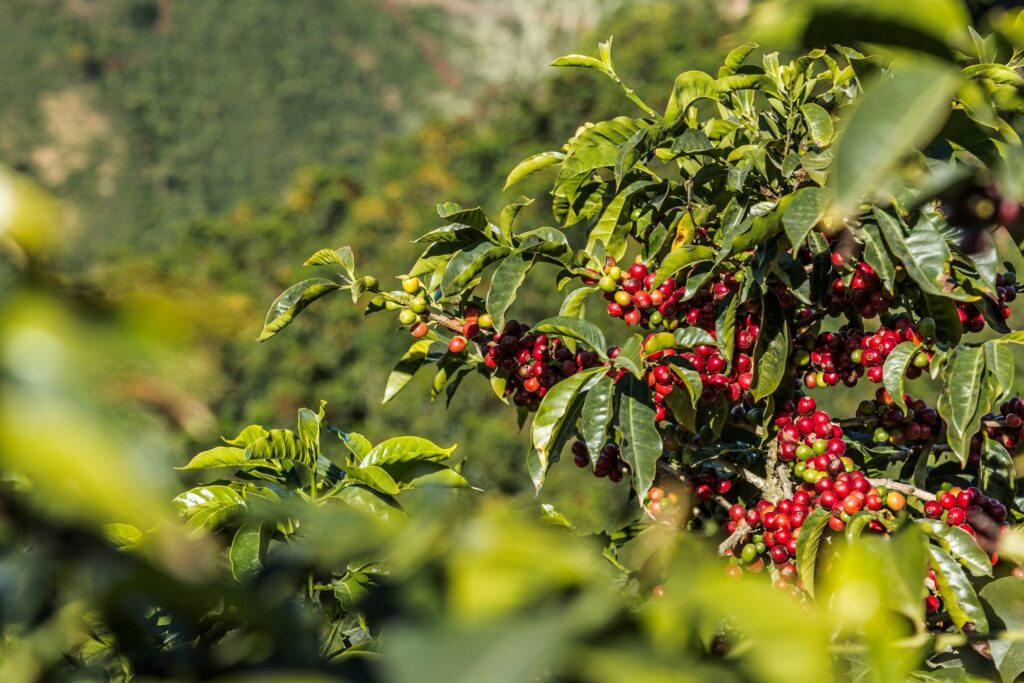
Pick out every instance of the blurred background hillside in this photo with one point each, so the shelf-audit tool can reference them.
(204, 149)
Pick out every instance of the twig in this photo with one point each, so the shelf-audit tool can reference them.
(903, 488)
(754, 479)
(742, 528)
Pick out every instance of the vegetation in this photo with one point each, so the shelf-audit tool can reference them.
(783, 346)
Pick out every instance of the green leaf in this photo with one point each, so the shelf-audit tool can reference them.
(641, 446)
(960, 545)
(947, 321)
(581, 62)
(629, 356)
(725, 326)
(279, 444)
(576, 329)
(342, 256)
(807, 544)
(292, 301)
(309, 424)
(1001, 369)
(209, 506)
(735, 59)
(572, 306)
(407, 366)
(505, 283)
(246, 553)
(690, 86)
(247, 436)
(803, 213)
(597, 415)
(443, 478)
(689, 337)
(468, 264)
(895, 369)
(555, 408)
(680, 258)
(923, 251)
(405, 449)
(531, 165)
(357, 444)
(771, 352)
(956, 590)
(964, 377)
(1005, 600)
(879, 134)
(819, 123)
(876, 255)
(222, 456)
(997, 474)
(474, 217)
(598, 146)
(123, 536)
(373, 476)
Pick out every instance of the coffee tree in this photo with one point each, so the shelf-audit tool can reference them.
(749, 262)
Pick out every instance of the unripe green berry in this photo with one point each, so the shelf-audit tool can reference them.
(607, 284)
(418, 305)
(407, 317)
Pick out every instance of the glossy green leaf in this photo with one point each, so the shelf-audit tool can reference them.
(807, 544)
(1005, 600)
(895, 369)
(581, 62)
(572, 305)
(292, 301)
(641, 446)
(997, 474)
(735, 59)
(876, 254)
(342, 256)
(405, 449)
(771, 353)
(554, 409)
(956, 590)
(279, 444)
(690, 87)
(803, 213)
(505, 283)
(209, 506)
(680, 258)
(357, 444)
(819, 123)
(964, 378)
(879, 134)
(123, 536)
(222, 456)
(725, 326)
(531, 165)
(467, 265)
(598, 146)
(597, 415)
(373, 476)
(410, 362)
(630, 356)
(960, 545)
(442, 478)
(1001, 369)
(246, 552)
(922, 250)
(247, 436)
(575, 329)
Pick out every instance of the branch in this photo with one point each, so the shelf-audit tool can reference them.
(742, 528)
(903, 488)
(754, 479)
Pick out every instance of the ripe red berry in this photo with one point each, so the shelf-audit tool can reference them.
(457, 344)
(933, 509)
(806, 405)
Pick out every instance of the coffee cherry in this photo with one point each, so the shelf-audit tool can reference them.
(457, 344)
(420, 329)
(485, 321)
(607, 284)
(895, 501)
(932, 509)
(411, 285)
(407, 317)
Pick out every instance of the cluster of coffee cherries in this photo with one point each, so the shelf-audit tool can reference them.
(863, 293)
(710, 364)
(1006, 427)
(609, 461)
(970, 509)
(914, 426)
(632, 296)
(696, 485)
(850, 353)
(1006, 291)
(532, 363)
